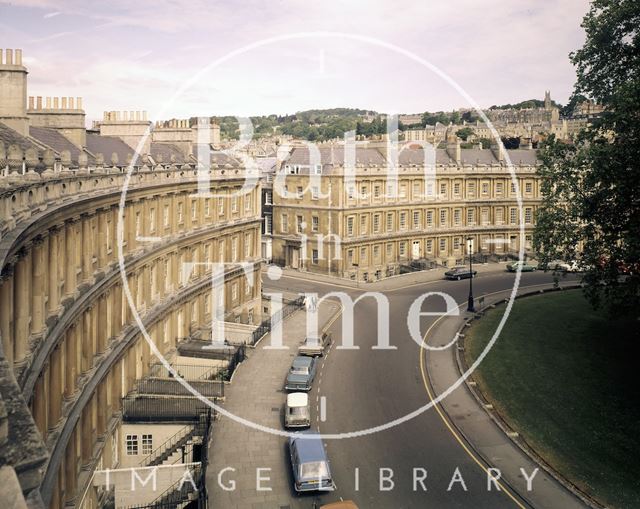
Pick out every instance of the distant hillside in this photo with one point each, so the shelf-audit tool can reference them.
(311, 125)
(331, 123)
(531, 103)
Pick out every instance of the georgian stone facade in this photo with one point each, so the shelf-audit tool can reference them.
(65, 321)
(69, 340)
(367, 225)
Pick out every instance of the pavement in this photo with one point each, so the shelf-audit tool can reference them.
(257, 394)
(473, 424)
(369, 388)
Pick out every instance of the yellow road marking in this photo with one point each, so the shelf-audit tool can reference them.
(423, 355)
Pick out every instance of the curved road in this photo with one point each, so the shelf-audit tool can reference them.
(368, 387)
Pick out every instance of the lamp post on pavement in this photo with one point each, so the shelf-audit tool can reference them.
(470, 307)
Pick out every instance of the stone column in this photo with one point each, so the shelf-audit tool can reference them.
(39, 403)
(22, 303)
(54, 269)
(101, 395)
(70, 472)
(174, 213)
(55, 386)
(37, 287)
(131, 227)
(92, 341)
(101, 328)
(111, 236)
(117, 310)
(86, 350)
(86, 438)
(71, 364)
(70, 267)
(87, 249)
(6, 312)
(102, 238)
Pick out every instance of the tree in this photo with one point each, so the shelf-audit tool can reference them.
(464, 133)
(591, 188)
(485, 142)
(510, 142)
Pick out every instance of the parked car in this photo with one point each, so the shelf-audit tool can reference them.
(524, 266)
(297, 413)
(301, 374)
(345, 504)
(314, 345)
(311, 470)
(459, 273)
(558, 266)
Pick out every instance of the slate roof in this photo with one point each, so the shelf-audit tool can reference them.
(166, 150)
(335, 155)
(411, 156)
(523, 156)
(266, 164)
(107, 145)
(10, 137)
(56, 141)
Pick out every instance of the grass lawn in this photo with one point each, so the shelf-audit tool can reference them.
(567, 379)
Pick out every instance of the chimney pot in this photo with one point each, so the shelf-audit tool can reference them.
(39, 102)
(18, 57)
(48, 102)
(1, 55)
(31, 102)
(79, 103)
(64, 103)
(56, 103)
(9, 57)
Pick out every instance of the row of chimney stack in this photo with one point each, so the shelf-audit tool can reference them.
(55, 103)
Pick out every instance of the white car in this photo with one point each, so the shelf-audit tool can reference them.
(297, 413)
(314, 346)
(561, 265)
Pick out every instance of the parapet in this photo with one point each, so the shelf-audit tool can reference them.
(11, 57)
(36, 103)
(125, 116)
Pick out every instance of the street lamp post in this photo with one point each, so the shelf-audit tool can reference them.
(470, 307)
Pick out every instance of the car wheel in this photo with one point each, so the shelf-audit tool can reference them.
(458, 278)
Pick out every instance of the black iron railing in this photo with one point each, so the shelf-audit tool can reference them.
(186, 371)
(179, 440)
(152, 408)
(266, 325)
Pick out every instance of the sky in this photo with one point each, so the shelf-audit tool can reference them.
(182, 58)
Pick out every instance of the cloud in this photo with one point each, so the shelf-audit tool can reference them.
(499, 51)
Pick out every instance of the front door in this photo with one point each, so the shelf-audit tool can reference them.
(415, 250)
(295, 257)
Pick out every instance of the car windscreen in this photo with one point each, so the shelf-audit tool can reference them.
(299, 370)
(298, 411)
(314, 470)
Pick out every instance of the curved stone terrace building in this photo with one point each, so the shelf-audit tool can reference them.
(70, 352)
